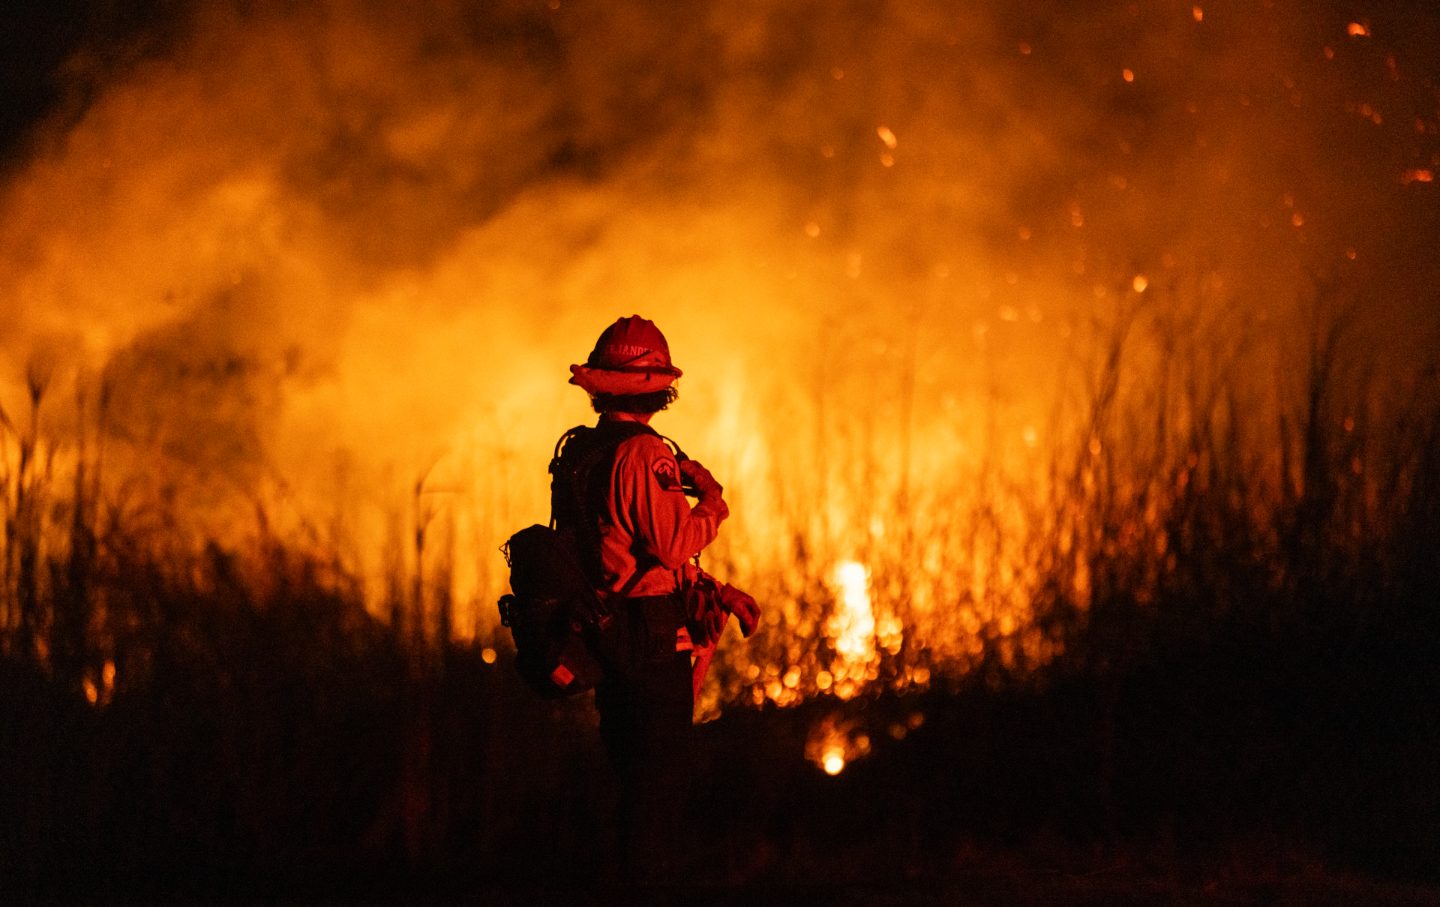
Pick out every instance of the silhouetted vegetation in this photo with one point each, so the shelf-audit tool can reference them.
(1246, 674)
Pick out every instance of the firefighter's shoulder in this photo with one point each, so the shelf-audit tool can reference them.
(649, 453)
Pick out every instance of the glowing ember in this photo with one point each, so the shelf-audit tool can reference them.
(835, 742)
(1417, 176)
(1140, 283)
(887, 137)
(99, 692)
(1357, 30)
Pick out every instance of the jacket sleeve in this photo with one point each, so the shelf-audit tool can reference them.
(650, 502)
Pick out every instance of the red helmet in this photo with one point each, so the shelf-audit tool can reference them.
(631, 357)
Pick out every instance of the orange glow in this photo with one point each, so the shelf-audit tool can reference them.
(327, 267)
(1357, 30)
(834, 743)
(99, 691)
(851, 629)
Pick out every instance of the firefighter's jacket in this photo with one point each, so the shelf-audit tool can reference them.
(649, 521)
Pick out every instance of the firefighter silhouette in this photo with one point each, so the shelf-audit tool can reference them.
(638, 535)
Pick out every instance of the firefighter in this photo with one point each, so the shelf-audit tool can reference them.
(637, 533)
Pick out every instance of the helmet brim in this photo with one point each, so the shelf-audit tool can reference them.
(608, 381)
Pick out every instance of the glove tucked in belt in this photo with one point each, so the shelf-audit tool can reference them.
(709, 602)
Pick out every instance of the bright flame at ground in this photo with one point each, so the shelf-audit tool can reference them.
(835, 742)
(853, 626)
(851, 629)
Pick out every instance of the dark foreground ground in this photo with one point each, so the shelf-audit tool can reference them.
(976, 879)
(1186, 785)
(291, 749)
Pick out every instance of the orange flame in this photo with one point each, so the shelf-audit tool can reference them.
(317, 275)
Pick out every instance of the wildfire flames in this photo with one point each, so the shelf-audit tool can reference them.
(966, 299)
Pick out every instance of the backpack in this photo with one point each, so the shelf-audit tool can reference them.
(552, 612)
(556, 617)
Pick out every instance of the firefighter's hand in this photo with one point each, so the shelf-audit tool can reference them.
(696, 474)
(743, 606)
(711, 625)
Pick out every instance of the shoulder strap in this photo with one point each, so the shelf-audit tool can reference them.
(674, 448)
(574, 439)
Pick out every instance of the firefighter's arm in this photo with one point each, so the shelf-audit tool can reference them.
(661, 515)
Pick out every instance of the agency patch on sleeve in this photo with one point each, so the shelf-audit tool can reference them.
(667, 474)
